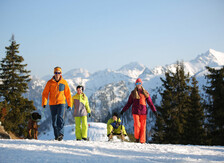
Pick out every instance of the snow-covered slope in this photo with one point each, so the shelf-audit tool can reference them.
(96, 132)
(108, 99)
(101, 151)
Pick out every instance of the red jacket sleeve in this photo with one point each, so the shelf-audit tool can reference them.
(129, 103)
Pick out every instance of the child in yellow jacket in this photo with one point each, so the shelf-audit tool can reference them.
(115, 127)
(81, 110)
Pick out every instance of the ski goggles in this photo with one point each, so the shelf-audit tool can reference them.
(139, 83)
(57, 73)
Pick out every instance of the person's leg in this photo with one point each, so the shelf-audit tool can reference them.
(124, 131)
(78, 131)
(137, 126)
(109, 129)
(60, 119)
(54, 118)
(120, 131)
(84, 127)
(143, 128)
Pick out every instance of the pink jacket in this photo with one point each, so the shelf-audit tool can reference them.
(139, 105)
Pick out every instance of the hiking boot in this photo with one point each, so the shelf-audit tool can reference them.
(137, 140)
(85, 139)
(60, 137)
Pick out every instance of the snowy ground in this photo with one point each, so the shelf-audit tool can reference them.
(99, 150)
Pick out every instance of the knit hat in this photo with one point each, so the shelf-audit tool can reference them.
(139, 80)
(115, 114)
(57, 69)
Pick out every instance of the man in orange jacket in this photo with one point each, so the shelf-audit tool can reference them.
(58, 90)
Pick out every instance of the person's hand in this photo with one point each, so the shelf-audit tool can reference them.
(69, 108)
(89, 114)
(117, 124)
(122, 112)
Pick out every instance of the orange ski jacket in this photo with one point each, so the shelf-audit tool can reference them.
(58, 92)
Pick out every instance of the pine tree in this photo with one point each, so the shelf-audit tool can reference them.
(174, 106)
(159, 129)
(194, 131)
(14, 83)
(215, 79)
(4, 109)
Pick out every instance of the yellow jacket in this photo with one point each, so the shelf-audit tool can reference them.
(58, 92)
(111, 127)
(81, 105)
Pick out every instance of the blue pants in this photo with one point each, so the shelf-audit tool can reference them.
(57, 113)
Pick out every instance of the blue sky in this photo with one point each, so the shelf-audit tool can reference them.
(100, 34)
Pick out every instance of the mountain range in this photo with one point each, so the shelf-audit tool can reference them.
(108, 90)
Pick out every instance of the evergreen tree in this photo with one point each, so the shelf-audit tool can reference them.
(159, 130)
(215, 79)
(14, 78)
(194, 132)
(174, 106)
(4, 109)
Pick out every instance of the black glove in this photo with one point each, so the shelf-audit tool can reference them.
(156, 114)
(69, 108)
(122, 112)
(89, 115)
(44, 106)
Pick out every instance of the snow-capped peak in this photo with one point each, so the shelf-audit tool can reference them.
(83, 73)
(210, 58)
(219, 56)
(133, 69)
(147, 74)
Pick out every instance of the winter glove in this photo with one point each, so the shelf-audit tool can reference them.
(69, 108)
(44, 106)
(122, 112)
(156, 114)
(89, 114)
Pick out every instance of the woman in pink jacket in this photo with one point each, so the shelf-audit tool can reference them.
(138, 98)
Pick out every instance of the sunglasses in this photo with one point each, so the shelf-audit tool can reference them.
(57, 73)
(138, 83)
